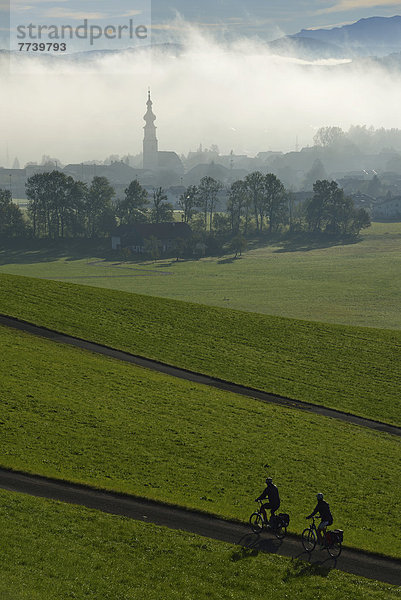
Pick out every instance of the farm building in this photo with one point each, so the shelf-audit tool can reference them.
(134, 236)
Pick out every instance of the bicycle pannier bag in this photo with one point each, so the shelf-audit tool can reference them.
(285, 519)
(338, 534)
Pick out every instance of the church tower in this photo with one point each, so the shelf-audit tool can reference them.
(150, 144)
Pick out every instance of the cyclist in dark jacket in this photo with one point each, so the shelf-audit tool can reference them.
(325, 515)
(271, 493)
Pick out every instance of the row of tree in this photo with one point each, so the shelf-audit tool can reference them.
(260, 200)
(367, 139)
(59, 207)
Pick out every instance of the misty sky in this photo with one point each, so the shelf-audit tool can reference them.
(274, 17)
(267, 18)
(237, 96)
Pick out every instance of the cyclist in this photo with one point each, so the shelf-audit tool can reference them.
(271, 493)
(325, 515)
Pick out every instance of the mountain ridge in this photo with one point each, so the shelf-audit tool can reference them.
(378, 36)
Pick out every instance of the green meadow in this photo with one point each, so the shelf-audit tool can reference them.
(70, 414)
(57, 552)
(353, 369)
(352, 284)
(77, 416)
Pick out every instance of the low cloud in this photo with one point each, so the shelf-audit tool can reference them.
(238, 96)
(14, 4)
(62, 13)
(132, 13)
(23, 8)
(347, 5)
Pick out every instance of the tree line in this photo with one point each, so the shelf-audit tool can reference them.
(260, 203)
(367, 139)
(60, 207)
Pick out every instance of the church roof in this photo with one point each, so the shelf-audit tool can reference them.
(170, 160)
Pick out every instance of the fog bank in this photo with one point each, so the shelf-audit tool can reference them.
(238, 96)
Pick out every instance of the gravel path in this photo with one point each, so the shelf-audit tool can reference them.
(197, 377)
(351, 561)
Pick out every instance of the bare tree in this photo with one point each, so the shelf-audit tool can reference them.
(161, 210)
(187, 202)
(207, 197)
(238, 204)
(254, 184)
(275, 201)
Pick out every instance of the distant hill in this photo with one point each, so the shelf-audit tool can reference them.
(378, 36)
(393, 61)
(168, 48)
(93, 55)
(306, 48)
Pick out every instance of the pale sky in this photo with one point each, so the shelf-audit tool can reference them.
(236, 95)
(267, 18)
(288, 16)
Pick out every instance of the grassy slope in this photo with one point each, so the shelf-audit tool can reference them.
(74, 415)
(55, 551)
(353, 369)
(355, 284)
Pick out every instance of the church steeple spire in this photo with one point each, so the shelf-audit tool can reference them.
(150, 143)
(149, 103)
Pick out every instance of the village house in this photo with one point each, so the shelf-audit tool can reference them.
(134, 236)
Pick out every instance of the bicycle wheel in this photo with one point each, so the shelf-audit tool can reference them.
(334, 549)
(256, 522)
(280, 532)
(309, 539)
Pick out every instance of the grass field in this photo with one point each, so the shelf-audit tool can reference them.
(355, 284)
(57, 552)
(74, 415)
(353, 369)
(69, 414)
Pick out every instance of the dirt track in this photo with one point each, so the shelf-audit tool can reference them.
(196, 377)
(351, 561)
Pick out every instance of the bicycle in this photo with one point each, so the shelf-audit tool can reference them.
(332, 539)
(277, 524)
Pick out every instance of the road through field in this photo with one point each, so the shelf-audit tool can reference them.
(351, 561)
(196, 377)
